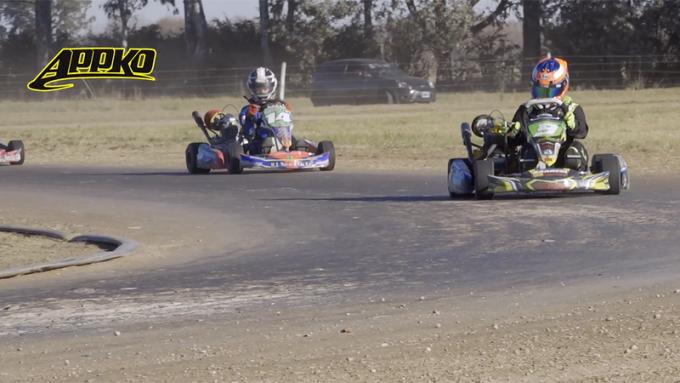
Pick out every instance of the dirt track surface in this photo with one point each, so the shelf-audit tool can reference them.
(255, 277)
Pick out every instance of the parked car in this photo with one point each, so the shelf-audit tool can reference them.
(365, 81)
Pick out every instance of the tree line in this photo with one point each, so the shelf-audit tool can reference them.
(459, 43)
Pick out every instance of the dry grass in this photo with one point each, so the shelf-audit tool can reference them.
(18, 250)
(640, 124)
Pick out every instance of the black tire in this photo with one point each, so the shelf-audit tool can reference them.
(608, 163)
(581, 163)
(453, 195)
(327, 147)
(234, 151)
(191, 155)
(448, 174)
(17, 145)
(481, 169)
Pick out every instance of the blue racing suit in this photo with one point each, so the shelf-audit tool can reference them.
(250, 117)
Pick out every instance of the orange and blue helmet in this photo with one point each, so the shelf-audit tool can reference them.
(550, 78)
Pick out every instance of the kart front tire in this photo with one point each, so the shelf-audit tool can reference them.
(234, 151)
(191, 154)
(609, 163)
(327, 147)
(17, 145)
(481, 169)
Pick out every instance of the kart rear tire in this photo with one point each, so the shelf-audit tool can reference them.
(608, 163)
(481, 169)
(234, 151)
(17, 145)
(327, 147)
(452, 194)
(191, 155)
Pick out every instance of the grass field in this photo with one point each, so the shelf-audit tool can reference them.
(640, 124)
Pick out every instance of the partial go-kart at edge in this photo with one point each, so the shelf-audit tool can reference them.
(13, 153)
(494, 167)
(276, 149)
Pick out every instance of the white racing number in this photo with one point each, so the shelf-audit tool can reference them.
(279, 116)
(546, 130)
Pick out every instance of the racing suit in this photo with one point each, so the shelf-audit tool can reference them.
(250, 117)
(577, 128)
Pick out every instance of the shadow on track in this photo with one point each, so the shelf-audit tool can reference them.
(429, 198)
(184, 173)
(406, 198)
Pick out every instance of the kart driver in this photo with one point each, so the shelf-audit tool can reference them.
(262, 86)
(550, 79)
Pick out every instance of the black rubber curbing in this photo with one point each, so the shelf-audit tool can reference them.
(119, 248)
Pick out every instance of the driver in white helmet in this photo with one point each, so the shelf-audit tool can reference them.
(262, 86)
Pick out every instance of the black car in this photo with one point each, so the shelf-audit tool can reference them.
(364, 81)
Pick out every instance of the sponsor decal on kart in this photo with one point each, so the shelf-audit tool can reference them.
(94, 63)
(209, 158)
(546, 130)
(550, 172)
(319, 161)
(599, 181)
(13, 156)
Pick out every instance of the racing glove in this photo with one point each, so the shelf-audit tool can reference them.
(503, 128)
(253, 109)
(569, 107)
(513, 128)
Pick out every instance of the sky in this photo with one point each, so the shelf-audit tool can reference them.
(154, 11)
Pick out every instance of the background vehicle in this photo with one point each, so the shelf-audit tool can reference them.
(13, 153)
(494, 167)
(364, 81)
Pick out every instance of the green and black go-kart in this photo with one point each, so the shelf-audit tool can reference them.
(535, 166)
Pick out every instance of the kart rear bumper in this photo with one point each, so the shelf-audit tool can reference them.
(282, 163)
(9, 157)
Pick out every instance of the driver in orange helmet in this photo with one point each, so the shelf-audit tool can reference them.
(550, 79)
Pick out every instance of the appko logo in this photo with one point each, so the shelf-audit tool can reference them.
(94, 63)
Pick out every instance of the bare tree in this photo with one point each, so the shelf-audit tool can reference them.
(531, 28)
(43, 30)
(493, 17)
(290, 15)
(195, 29)
(264, 31)
(368, 19)
(122, 10)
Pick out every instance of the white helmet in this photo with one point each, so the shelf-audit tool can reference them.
(262, 83)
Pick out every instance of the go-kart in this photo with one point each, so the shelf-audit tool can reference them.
(537, 165)
(274, 147)
(13, 153)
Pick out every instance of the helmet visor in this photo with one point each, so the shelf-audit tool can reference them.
(552, 91)
(263, 88)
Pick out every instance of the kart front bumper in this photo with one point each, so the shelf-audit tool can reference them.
(312, 162)
(550, 184)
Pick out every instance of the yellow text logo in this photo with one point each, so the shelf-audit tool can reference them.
(92, 63)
